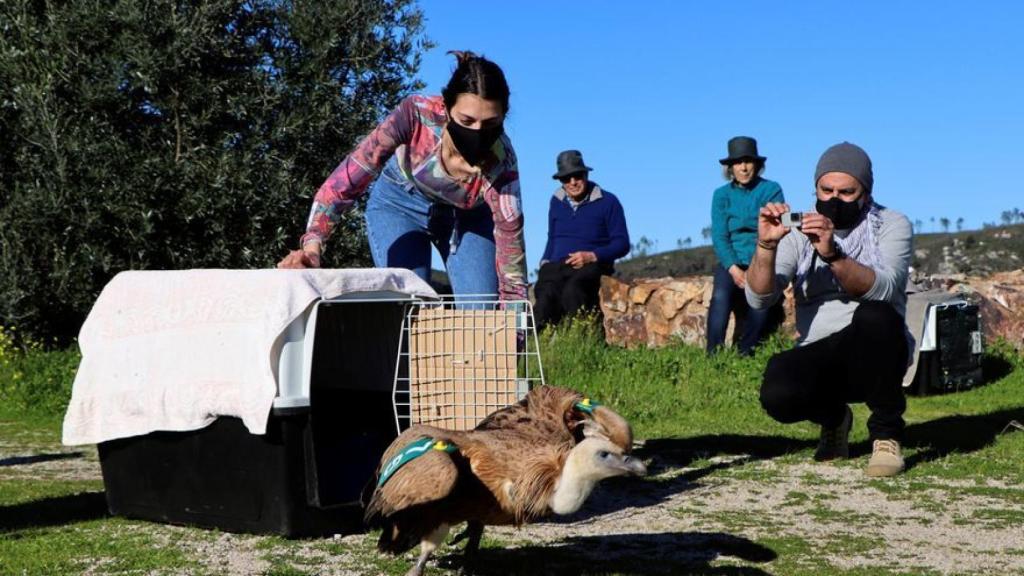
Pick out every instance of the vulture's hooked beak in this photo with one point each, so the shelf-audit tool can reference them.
(627, 464)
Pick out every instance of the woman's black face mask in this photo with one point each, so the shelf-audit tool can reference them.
(472, 144)
(844, 215)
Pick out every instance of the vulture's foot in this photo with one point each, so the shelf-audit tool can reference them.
(472, 534)
(420, 566)
(459, 537)
(452, 562)
(461, 564)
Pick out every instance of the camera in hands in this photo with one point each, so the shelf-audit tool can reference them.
(792, 219)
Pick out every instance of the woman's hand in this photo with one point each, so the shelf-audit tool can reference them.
(306, 258)
(769, 222)
(739, 277)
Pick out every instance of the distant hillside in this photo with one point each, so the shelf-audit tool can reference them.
(971, 252)
(683, 262)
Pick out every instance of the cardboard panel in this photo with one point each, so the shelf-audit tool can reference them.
(462, 365)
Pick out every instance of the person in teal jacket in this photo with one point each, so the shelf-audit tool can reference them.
(734, 210)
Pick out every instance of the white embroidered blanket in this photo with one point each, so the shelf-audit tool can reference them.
(173, 350)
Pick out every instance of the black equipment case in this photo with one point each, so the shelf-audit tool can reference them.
(950, 349)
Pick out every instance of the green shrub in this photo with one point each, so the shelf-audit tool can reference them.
(179, 134)
(34, 379)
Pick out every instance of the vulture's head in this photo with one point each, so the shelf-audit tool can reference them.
(589, 462)
(600, 458)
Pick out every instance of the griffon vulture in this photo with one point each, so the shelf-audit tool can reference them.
(541, 456)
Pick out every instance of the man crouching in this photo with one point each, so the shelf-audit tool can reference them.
(848, 262)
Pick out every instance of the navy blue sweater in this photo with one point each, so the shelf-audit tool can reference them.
(597, 225)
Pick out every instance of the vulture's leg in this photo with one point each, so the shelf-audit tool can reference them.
(474, 532)
(427, 547)
(472, 528)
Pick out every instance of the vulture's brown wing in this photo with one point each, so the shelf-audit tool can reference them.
(546, 409)
(427, 478)
(520, 468)
(552, 412)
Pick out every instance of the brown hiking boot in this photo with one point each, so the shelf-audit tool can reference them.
(835, 442)
(886, 459)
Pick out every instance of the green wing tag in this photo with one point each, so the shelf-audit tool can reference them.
(411, 452)
(586, 405)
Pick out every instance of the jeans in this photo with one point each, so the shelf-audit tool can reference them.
(562, 290)
(728, 298)
(402, 223)
(863, 362)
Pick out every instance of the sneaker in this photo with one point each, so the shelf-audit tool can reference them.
(886, 459)
(835, 442)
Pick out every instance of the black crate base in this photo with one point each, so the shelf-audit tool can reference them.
(933, 377)
(222, 477)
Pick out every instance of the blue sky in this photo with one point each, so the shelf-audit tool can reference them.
(651, 92)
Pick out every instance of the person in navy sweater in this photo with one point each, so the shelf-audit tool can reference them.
(586, 234)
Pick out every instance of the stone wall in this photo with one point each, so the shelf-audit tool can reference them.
(654, 312)
(1001, 301)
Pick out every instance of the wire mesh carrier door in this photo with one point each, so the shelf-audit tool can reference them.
(460, 361)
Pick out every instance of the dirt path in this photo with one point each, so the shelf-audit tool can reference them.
(848, 521)
(770, 515)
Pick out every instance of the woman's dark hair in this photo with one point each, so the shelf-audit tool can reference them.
(476, 75)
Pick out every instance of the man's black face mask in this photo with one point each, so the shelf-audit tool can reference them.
(844, 215)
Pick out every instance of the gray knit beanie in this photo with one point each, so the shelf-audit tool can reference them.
(848, 159)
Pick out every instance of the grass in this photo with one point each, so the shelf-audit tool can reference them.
(35, 381)
(114, 546)
(677, 392)
(699, 417)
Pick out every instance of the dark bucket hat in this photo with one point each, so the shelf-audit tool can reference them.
(742, 148)
(570, 162)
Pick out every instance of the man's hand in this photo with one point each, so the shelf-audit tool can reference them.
(769, 222)
(819, 230)
(739, 277)
(580, 259)
(760, 275)
(300, 259)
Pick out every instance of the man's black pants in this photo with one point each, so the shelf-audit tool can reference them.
(562, 290)
(863, 362)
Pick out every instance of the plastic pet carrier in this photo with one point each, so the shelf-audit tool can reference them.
(351, 371)
(329, 424)
(950, 345)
